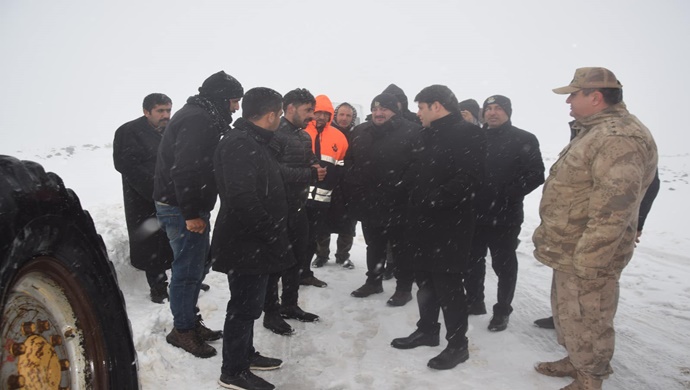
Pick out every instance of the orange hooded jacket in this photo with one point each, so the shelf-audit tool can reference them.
(332, 147)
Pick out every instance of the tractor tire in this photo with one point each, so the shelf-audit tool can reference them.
(64, 323)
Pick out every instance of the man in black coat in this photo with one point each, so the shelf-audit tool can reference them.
(379, 156)
(134, 154)
(443, 178)
(514, 168)
(251, 239)
(291, 146)
(185, 193)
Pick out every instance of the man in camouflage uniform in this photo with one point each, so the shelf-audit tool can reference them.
(589, 212)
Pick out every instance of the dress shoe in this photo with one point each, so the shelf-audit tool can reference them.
(399, 298)
(449, 358)
(546, 323)
(498, 322)
(319, 262)
(312, 281)
(295, 312)
(276, 324)
(416, 339)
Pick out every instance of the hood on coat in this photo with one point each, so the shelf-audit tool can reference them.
(323, 103)
(354, 115)
(397, 92)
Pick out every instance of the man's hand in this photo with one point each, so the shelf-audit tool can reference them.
(196, 225)
(320, 172)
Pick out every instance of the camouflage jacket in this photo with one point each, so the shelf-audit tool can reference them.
(589, 207)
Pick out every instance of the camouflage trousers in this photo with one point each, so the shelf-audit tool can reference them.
(583, 311)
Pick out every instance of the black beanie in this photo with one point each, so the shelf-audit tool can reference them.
(502, 101)
(386, 100)
(472, 106)
(221, 86)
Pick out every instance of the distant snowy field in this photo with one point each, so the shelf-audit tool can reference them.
(350, 347)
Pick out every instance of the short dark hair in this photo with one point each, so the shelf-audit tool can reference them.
(298, 97)
(155, 99)
(441, 94)
(259, 101)
(611, 95)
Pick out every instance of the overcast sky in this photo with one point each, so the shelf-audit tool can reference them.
(73, 71)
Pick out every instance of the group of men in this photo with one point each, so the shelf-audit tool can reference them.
(434, 192)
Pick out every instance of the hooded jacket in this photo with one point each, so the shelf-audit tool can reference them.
(402, 98)
(589, 206)
(329, 145)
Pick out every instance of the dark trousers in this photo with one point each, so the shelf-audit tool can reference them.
(344, 244)
(318, 229)
(157, 280)
(377, 239)
(245, 305)
(442, 291)
(298, 233)
(502, 241)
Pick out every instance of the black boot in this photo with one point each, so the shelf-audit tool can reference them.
(546, 323)
(449, 358)
(400, 298)
(416, 339)
(295, 312)
(499, 322)
(476, 308)
(276, 324)
(205, 333)
(159, 293)
(367, 289)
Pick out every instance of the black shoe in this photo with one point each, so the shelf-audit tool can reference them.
(160, 293)
(498, 322)
(312, 281)
(546, 323)
(245, 380)
(347, 263)
(400, 298)
(449, 358)
(205, 287)
(259, 362)
(388, 273)
(276, 324)
(476, 309)
(190, 342)
(319, 262)
(295, 312)
(366, 290)
(205, 333)
(416, 339)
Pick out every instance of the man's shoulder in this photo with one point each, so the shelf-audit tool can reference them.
(138, 124)
(521, 132)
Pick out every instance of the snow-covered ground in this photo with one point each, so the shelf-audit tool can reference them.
(350, 347)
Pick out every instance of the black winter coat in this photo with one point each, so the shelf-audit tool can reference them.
(134, 154)
(338, 219)
(444, 176)
(184, 168)
(291, 146)
(377, 159)
(514, 168)
(250, 234)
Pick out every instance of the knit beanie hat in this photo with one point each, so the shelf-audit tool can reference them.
(386, 100)
(502, 101)
(221, 86)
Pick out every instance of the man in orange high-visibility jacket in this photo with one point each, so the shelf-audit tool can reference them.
(329, 146)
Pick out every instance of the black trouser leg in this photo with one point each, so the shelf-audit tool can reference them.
(376, 240)
(271, 303)
(323, 246)
(344, 243)
(503, 244)
(476, 266)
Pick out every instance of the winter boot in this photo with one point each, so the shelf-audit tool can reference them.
(205, 333)
(190, 342)
(449, 358)
(276, 324)
(560, 368)
(546, 323)
(399, 298)
(388, 272)
(367, 289)
(259, 362)
(417, 339)
(312, 281)
(295, 312)
(347, 263)
(245, 380)
(159, 293)
(584, 382)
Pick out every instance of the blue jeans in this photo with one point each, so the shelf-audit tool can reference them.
(247, 294)
(190, 257)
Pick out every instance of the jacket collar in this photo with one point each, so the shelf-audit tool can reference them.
(600, 117)
(260, 134)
